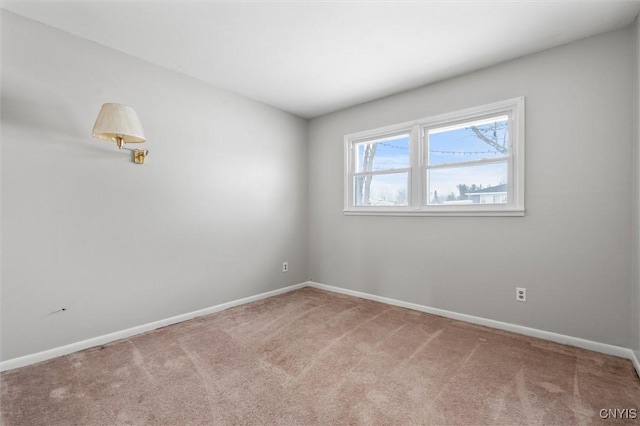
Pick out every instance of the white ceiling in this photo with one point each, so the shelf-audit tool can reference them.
(311, 58)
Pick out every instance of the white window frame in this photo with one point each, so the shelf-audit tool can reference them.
(417, 179)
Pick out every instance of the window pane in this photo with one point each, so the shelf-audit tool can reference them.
(481, 184)
(381, 190)
(473, 140)
(383, 154)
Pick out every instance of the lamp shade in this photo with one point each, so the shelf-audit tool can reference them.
(116, 121)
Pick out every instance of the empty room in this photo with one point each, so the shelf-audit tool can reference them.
(320, 212)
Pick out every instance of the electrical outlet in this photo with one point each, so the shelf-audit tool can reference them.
(521, 294)
(285, 266)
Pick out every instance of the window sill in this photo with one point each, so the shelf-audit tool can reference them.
(507, 212)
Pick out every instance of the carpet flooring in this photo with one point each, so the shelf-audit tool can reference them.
(314, 357)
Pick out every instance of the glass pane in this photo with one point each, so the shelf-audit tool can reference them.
(383, 154)
(482, 184)
(381, 190)
(473, 140)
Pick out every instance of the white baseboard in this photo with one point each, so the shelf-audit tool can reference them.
(636, 362)
(123, 334)
(533, 332)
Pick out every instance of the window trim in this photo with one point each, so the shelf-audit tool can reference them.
(416, 196)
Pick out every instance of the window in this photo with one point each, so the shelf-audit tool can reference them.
(467, 163)
(381, 176)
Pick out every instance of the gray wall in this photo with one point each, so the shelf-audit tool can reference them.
(571, 250)
(635, 300)
(219, 205)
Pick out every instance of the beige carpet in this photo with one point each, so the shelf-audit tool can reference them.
(315, 357)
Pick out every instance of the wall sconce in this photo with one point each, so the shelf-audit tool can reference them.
(120, 124)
